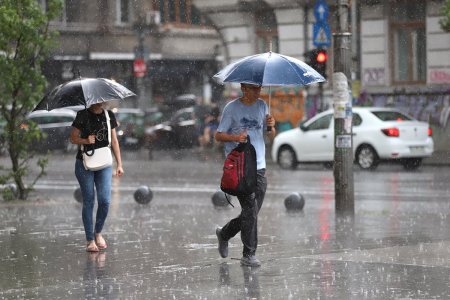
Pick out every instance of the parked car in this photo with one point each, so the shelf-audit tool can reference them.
(130, 130)
(180, 131)
(379, 134)
(56, 126)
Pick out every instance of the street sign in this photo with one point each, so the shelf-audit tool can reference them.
(321, 35)
(321, 29)
(139, 67)
(321, 11)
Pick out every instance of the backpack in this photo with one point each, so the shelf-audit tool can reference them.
(239, 170)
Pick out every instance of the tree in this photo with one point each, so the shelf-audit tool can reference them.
(25, 40)
(445, 22)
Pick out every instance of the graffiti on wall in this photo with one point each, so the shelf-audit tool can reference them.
(439, 76)
(373, 76)
(433, 108)
(286, 106)
(289, 106)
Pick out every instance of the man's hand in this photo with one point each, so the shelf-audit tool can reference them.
(242, 137)
(270, 120)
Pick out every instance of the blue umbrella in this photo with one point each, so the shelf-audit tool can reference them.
(269, 69)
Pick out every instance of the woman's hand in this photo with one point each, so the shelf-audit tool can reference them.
(119, 171)
(91, 139)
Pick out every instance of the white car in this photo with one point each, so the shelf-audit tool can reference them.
(378, 134)
(56, 126)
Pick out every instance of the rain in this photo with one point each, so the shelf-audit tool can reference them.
(396, 245)
(160, 229)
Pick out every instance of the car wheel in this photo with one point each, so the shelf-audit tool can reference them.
(367, 158)
(412, 163)
(287, 158)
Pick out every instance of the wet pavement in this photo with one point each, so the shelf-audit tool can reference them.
(396, 247)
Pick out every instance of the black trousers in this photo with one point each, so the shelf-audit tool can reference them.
(247, 221)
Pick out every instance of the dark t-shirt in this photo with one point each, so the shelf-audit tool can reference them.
(90, 123)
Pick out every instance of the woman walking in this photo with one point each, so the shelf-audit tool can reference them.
(90, 128)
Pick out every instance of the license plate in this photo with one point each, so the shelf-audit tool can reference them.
(417, 149)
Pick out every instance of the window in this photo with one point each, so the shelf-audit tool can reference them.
(266, 31)
(72, 11)
(407, 23)
(123, 8)
(356, 120)
(321, 123)
(180, 12)
(391, 116)
(60, 17)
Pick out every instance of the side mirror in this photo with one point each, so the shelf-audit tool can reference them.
(303, 127)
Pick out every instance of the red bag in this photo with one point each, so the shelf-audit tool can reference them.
(239, 170)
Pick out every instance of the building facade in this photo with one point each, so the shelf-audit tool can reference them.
(105, 38)
(400, 54)
(404, 59)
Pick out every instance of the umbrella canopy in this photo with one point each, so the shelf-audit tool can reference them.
(269, 69)
(83, 91)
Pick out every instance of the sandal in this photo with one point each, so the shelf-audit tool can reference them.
(101, 243)
(91, 247)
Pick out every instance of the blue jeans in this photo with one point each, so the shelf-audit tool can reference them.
(101, 179)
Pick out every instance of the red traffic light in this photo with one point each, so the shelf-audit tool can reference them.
(321, 57)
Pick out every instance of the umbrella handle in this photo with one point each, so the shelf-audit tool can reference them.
(269, 128)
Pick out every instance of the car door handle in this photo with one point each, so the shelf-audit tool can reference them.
(353, 134)
(324, 136)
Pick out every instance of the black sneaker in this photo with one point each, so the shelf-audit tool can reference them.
(223, 245)
(250, 261)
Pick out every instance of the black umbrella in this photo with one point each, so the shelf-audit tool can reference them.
(84, 91)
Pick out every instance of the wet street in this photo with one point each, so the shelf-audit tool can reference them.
(396, 247)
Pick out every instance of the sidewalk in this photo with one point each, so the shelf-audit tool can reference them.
(168, 250)
(396, 247)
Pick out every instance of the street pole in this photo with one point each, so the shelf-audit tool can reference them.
(343, 143)
(140, 80)
(141, 56)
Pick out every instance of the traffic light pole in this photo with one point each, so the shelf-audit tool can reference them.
(343, 142)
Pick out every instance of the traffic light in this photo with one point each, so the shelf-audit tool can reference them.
(317, 59)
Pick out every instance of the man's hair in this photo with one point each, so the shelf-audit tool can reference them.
(244, 84)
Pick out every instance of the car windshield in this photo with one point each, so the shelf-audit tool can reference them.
(391, 116)
(321, 123)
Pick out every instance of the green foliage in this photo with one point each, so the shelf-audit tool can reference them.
(25, 41)
(445, 22)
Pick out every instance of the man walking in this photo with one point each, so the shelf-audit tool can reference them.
(242, 117)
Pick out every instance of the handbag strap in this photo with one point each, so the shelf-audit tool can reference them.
(109, 127)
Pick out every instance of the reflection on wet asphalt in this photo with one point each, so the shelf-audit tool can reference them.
(396, 247)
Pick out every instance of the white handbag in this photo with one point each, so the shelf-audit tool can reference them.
(99, 158)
